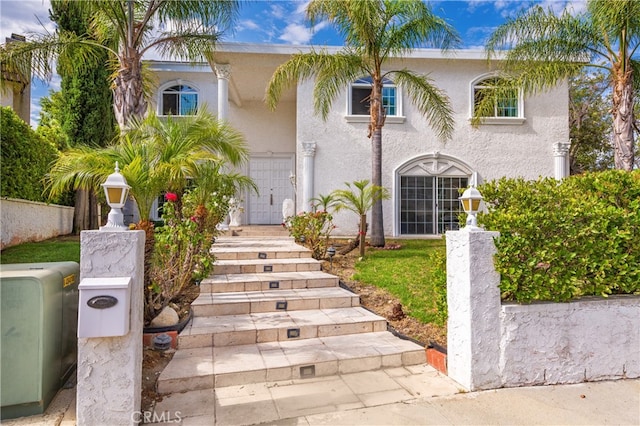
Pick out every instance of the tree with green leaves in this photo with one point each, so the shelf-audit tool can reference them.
(359, 199)
(127, 29)
(590, 122)
(374, 32)
(543, 48)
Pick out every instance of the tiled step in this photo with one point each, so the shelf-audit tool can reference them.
(247, 329)
(267, 281)
(230, 248)
(259, 231)
(251, 302)
(266, 265)
(214, 367)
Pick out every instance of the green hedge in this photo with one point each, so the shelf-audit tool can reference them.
(26, 158)
(563, 240)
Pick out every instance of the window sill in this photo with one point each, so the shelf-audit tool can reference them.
(514, 121)
(391, 119)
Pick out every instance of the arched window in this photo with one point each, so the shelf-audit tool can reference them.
(179, 99)
(360, 93)
(505, 107)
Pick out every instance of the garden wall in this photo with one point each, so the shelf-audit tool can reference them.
(23, 221)
(586, 340)
(492, 345)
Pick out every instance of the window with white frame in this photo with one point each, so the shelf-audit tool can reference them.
(505, 107)
(179, 99)
(359, 100)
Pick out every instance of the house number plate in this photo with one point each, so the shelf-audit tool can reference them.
(102, 302)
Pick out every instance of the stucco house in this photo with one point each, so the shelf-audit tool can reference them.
(297, 155)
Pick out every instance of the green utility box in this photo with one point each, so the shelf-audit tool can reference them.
(39, 322)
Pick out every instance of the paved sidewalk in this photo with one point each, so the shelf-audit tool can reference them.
(385, 397)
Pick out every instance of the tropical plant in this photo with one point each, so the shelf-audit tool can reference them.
(374, 31)
(323, 202)
(544, 48)
(127, 29)
(154, 155)
(359, 199)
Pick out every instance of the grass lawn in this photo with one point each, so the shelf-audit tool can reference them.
(61, 249)
(406, 273)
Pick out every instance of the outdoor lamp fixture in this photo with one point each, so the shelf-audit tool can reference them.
(116, 191)
(470, 200)
(331, 251)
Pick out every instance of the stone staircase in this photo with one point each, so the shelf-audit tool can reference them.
(270, 314)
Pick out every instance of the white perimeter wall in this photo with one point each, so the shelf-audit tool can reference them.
(23, 221)
(586, 340)
(492, 345)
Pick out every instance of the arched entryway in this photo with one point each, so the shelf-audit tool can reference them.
(426, 194)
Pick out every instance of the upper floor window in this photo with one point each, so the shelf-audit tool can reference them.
(359, 100)
(179, 100)
(505, 105)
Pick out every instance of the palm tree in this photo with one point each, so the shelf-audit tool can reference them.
(154, 156)
(359, 200)
(127, 29)
(544, 48)
(374, 31)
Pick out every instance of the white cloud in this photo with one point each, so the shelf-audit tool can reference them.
(296, 34)
(24, 17)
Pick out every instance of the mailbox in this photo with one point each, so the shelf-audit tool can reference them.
(104, 307)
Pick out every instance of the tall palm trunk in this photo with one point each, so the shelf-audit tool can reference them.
(623, 143)
(377, 121)
(128, 93)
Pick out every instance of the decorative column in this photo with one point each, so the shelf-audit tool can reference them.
(223, 72)
(308, 154)
(561, 159)
(473, 299)
(110, 368)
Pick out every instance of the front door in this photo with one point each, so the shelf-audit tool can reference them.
(272, 176)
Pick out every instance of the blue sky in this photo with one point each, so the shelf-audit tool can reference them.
(282, 22)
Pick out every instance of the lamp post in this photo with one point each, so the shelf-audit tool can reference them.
(470, 200)
(115, 191)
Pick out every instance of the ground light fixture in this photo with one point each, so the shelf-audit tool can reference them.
(331, 251)
(470, 200)
(116, 191)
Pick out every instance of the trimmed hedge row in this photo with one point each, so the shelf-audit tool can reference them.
(563, 240)
(26, 158)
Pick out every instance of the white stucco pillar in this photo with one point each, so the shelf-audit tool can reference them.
(561, 159)
(110, 368)
(223, 72)
(308, 160)
(473, 298)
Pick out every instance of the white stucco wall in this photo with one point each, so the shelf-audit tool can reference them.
(585, 340)
(492, 345)
(24, 221)
(344, 151)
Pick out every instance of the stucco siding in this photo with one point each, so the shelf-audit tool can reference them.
(344, 152)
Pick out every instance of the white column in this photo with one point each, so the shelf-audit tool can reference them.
(110, 368)
(308, 154)
(473, 299)
(223, 72)
(561, 159)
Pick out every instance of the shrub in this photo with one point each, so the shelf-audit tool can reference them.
(311, 229)
(563, 240)
(26, 158)
(438, 260)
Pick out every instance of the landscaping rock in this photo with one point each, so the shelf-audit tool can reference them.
(167, 317)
